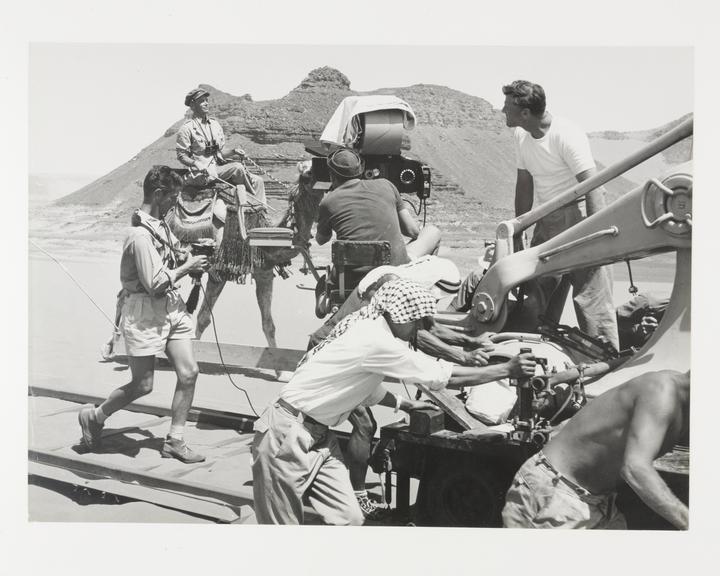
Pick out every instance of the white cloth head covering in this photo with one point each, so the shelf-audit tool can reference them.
(402, 300)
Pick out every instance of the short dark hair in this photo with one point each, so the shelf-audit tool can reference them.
(160, 177)
(527, 95)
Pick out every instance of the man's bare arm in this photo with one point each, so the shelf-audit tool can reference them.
(437, 347)
(408, 226)
(595, 200)
(524, 191)
(652, 417)
(455, 338)
(521, 366)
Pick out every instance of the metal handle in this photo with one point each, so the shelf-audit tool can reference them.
(612, 231)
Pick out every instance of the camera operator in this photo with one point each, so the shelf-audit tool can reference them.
(200, 146)
(370, 210)
(154, 317)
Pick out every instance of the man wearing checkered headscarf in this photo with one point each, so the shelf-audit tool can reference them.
(294, 452)
(344, 371)
(402, 300)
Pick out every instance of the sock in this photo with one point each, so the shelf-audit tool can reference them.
(360, 494)
(176, 431)
(100, 416)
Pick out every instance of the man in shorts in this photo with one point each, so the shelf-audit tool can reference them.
(154, 317)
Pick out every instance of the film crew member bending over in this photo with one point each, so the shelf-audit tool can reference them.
(294, 452)
(571, 483)
(154, 317)
(200, 143)
(440, 277)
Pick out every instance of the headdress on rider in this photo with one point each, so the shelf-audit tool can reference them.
(195, 94)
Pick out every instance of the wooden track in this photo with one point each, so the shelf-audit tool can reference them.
(236, 357)
(129, 463)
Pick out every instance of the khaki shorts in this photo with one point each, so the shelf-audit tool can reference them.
(149, 322)
(540, 497)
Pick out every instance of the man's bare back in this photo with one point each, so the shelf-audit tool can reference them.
(619, 435)
(590, 449)
(615, 437)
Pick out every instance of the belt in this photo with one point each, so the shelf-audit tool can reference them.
(295, 412)
(542, 459)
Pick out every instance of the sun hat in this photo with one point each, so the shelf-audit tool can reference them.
(346, 163)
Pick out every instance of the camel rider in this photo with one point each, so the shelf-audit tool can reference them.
(200, 146)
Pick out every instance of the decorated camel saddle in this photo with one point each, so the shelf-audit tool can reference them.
(202, 212)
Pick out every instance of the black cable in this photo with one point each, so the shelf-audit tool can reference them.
(217, 343)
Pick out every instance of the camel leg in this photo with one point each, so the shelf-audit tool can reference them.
(263, 292)
(212, 293)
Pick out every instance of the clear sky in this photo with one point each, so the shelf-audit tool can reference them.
(93, 106)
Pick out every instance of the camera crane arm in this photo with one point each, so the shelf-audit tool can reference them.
(653, 218)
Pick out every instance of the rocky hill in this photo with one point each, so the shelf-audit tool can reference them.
(461, 137)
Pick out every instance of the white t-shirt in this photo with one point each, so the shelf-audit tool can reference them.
(555, 159)
(349, 371)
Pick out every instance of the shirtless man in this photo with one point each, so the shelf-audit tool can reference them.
(571, 483)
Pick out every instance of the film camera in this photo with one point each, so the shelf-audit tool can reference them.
(543, 403)
(378, 137)
(202, 247)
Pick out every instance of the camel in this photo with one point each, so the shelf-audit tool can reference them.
(301, 213)
(299, 216)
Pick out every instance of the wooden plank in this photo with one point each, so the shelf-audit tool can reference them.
(218, 418)
(201, 507)
(237, 356)
(85, 466)
(455, 408)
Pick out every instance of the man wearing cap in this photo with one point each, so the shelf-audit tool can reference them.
(200, 146)
(370, 210)
(294, 453)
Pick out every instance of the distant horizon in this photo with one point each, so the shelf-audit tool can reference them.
(109, 115)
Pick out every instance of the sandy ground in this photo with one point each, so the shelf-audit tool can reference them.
(66, 331)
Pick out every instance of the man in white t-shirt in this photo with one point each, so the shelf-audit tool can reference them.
(553, 155)
(296, 455)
